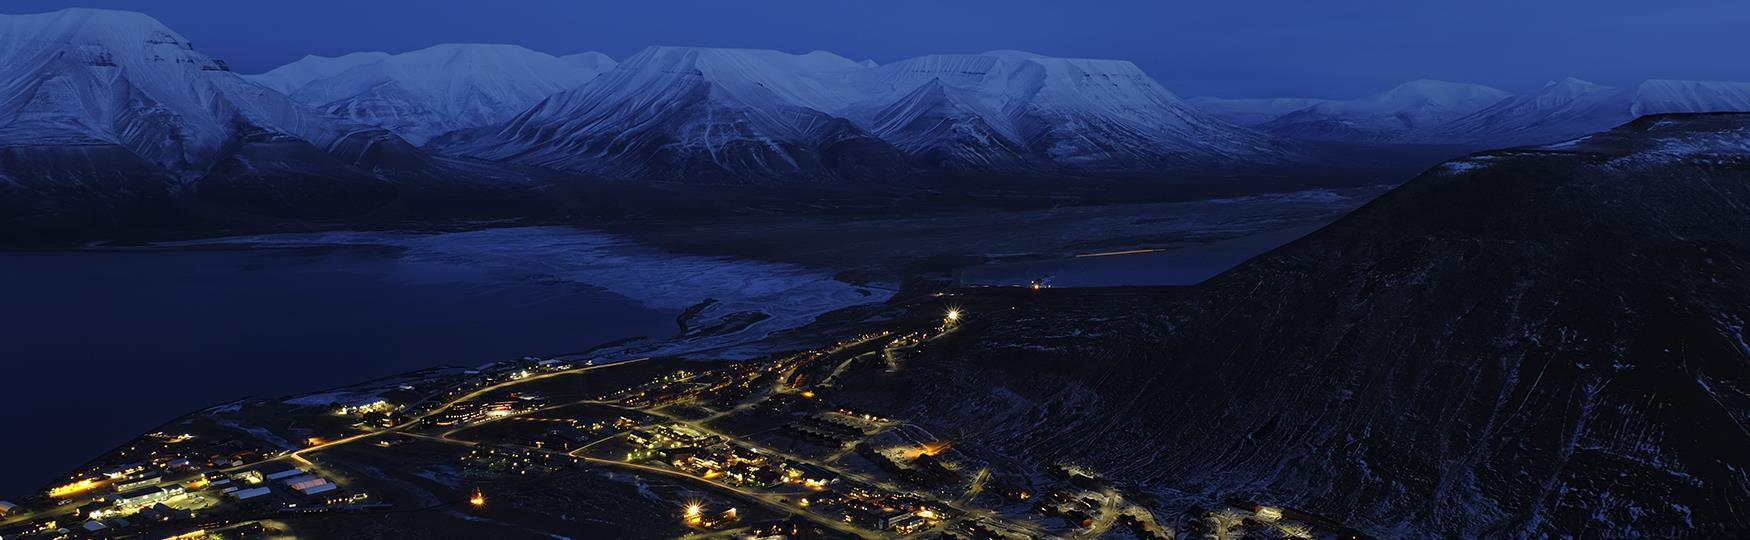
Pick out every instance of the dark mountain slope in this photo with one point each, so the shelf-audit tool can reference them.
(1534, 342)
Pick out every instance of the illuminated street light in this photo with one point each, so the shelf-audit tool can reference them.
(953, 315)
(478, 499)
(694, 512)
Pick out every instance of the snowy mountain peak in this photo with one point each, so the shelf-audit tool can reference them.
(1443, 95)
(99, 38)
(1396, 115)
(1250, 112)
(428, 92)
(124, 79)
(592, 61)
(749, 76)
(1572, 82)
(770, 112)
(290, 77)
(1011, 54)
(95, 26)
(1659, 96)
(722, 59)
(1569, 88)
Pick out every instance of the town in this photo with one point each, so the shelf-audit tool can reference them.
(743, 449)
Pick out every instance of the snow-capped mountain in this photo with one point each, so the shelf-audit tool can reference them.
(1251, 112)
(1660, 96)
(1427, 112)
(1396, 115)
(290, 77)
(1560, 110)
(768, 112)
(689, 113)
(591, 61)
(432, 91)
(122, 79)
(1572, 107)
(1011, 108)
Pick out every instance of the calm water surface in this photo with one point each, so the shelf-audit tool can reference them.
(99, 346)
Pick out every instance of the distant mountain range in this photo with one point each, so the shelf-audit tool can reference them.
(680, 113)
(1436, 112)
(432, 91)
(110, 120)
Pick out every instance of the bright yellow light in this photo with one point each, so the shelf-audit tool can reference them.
(693, 510)
(1269, 514)
(72, 489)
(926, 514)
(478, 499)
(808, 394)
(953, 315)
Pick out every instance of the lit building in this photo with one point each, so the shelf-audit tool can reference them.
(309, 484)
(250, 493)
(281, 472)
(145, 496)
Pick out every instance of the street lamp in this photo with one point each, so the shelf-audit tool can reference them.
(953, 315)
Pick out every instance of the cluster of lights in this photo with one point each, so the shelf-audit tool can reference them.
(73, 488)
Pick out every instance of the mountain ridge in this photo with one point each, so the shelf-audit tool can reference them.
(427, 92)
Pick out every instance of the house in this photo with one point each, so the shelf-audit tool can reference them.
(811, 475)
(566, 438)
(141, 482)
(145, 496)
(7, 508)
(280, 471)
(303, 482)
(251, 493)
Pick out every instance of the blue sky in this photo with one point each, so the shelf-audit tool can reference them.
(1238, 48)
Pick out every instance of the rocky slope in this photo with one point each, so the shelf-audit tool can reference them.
(1542, 342)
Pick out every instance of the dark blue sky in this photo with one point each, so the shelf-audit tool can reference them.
(1239, 48)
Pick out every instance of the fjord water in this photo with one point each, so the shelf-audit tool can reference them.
(102, 345)
(1187, 265)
